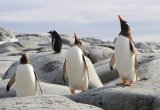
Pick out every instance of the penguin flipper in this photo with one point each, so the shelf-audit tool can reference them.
(115, 40)
(85, 63)
(38, 81)
(132, 47)
(64, 71)
(112, 62)
(135, 66)
(11, 82)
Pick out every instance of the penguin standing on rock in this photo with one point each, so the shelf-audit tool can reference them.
(26, 80)
(56, 41)
(124, 57)
(75, 68)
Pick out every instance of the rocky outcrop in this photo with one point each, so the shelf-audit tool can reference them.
(6, 35)
(49, 102)
(143, 95)
(104, 72)
(47, 88)
(103, 91)
(49, 68)
(97, 53)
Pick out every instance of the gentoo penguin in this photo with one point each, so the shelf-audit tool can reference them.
(124, 56)
(56, 41)
(75, 67)
(25, 79)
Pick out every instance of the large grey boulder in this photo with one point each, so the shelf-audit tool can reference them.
(47, 65)
(146, 47)
(47, 88)
(143, 95)
(49, 68)
(10, 47)
(94, 80)
(6, 35)
(103, 70)
(5, 63)
(36, 38)
(92, 40)
(97, 53)
(44, 102)
(67, 40)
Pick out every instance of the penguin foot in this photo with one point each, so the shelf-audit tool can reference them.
(129, 85)
(72, 91)
(122, 83)
(138, 78)
(143, 79)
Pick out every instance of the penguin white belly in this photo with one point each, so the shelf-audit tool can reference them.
(75, 68)
(125, 60)
(26, 84)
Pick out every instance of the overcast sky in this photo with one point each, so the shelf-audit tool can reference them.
(88, 18)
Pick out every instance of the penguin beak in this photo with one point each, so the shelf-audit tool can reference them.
(76, 39)
(120, 18)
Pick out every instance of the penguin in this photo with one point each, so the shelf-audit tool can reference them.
(75, 68)
(25, 79)
(56, 41)
(124, 57)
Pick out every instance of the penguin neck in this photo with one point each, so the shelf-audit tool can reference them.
(126, 34)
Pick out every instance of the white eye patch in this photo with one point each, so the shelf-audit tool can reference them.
(127, 23)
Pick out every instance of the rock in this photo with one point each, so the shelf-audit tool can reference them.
(5, 63)
(9, 47)
(34, 38)
(108, 44)
(49, 68)
(94, 81)
(143, 95)
(27, 44)
(97, 53)
(146, 46)
(104, 72)
(67, 40)
(6, 35)
(3, 92)
(92, 40)
(48, 89)
(44, 102)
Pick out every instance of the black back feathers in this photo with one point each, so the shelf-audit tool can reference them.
(56, 41)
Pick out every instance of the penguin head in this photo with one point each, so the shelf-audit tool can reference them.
(77, 41)
(54, 34)
(124, 25)
(51, 33)
(24, 59)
